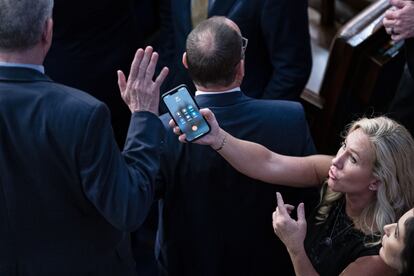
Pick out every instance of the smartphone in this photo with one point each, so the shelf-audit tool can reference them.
(185, 112)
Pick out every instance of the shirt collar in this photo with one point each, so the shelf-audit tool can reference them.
(198, 92)
(36, 67)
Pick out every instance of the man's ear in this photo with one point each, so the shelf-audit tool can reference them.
(47, 34)
(185, 60)
(240, 71)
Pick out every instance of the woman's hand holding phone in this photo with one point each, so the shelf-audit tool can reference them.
(214, 138)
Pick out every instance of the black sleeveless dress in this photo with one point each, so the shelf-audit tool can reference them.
(334, 244)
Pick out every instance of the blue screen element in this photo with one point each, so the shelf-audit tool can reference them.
(185, 113)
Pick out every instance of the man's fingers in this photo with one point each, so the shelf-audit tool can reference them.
(121, 82)
(149, 73)
(398, 3)
(390, 15)
(135, 64)
(397, 37)
(281, 204)
(144, 63)
(388, 23)
(161, 77)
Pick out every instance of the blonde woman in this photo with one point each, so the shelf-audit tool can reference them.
(367, 185)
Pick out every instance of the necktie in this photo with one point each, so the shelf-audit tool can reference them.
(199, 11)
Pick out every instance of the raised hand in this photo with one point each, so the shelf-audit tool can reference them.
(140, 92)
(291, 232)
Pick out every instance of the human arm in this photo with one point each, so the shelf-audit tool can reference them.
(368, 266)
(120, 186)
(292, 233)
(399, 20)
(285, 30)
(260, 163)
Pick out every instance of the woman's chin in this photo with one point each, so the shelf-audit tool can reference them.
(331, 184)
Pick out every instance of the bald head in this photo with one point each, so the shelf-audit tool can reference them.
(213, 52)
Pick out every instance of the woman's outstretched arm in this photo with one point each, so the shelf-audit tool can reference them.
(258, 162)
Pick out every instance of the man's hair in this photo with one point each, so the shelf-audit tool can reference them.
(213, 50)
(22, 23)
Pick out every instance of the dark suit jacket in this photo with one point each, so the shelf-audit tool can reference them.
(92, 40)
(67, 195)
(278, 56)
(401, 107)
(214, 220)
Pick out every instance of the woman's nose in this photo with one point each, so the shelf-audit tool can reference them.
(337, 160)
(388, 228)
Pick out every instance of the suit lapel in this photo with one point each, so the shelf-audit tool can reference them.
(220, 7)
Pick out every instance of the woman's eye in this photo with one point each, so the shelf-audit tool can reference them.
(343, 144)
(353, 160)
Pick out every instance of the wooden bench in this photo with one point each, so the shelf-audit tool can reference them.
(360, 77)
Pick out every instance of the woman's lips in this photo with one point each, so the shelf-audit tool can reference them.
(332, 175)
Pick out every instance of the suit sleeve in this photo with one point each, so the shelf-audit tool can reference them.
(169, 160)
(121, 185)
(285, 29)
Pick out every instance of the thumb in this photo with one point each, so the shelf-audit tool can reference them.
(209, 116)
(121, 81)
(301, 213)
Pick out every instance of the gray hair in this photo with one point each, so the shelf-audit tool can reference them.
(22, 23)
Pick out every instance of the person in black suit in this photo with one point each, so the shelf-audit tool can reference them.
(68, 196)
(91, 40)
(399, 23)
(278, 61)
(202, 199)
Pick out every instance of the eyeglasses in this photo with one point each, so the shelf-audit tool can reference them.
(245, 41)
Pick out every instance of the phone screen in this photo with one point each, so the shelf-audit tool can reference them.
(185, 113)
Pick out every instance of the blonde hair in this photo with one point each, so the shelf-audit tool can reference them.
(393, 148)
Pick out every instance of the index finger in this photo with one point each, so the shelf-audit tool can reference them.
(145, 62)
(281, 204)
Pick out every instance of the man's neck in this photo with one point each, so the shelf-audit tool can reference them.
(217, 88)
(29, 56)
